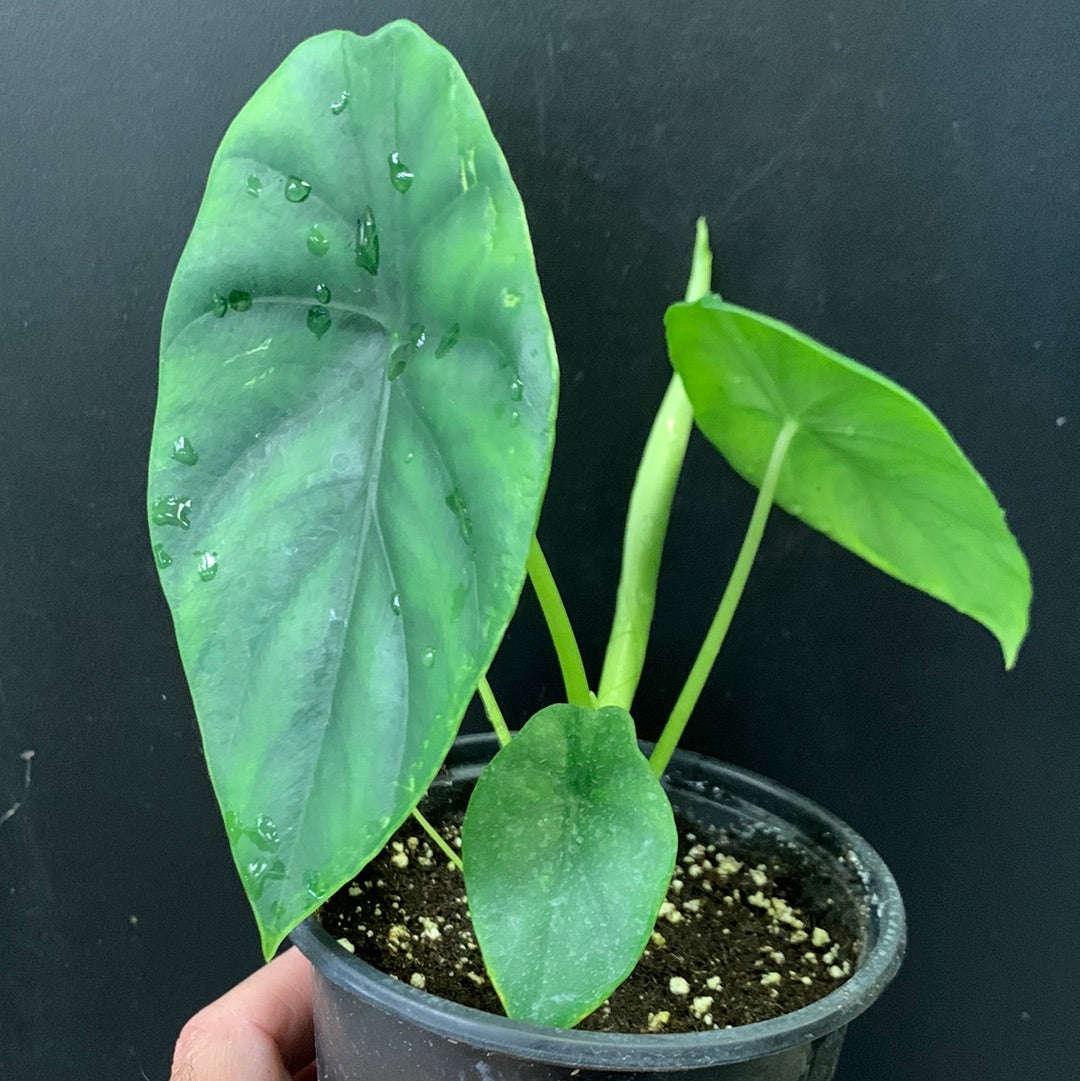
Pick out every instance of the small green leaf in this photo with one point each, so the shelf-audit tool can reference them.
(569, 844)
(869, 465)
(365, 538)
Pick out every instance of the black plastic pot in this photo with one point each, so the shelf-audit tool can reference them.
(371, 1027)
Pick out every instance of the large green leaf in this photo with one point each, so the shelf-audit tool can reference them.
(568, 844)
(357, 364)
(869, 465)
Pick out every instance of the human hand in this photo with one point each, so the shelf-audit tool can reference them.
(261, 1030)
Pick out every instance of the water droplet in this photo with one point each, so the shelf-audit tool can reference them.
(259, 871)
(322, 293)
(171, 510)
(313, 884)
(239, 300)
(510, 299)
(517, 390)
(356, 379)
(399, 358)
(338, 107)
(515, 418)
(317, 243)
(395, 604)
(456, 502)
(401, 176)
(367, 242)
(218, 305)
(254, 186)
(208, 566)
(417, 335)
(318, 320)
(467, 168)
(409, 457)
(849, 430)
(448, 341)
(427, 658)
(457, 601)
(265, 833)
(340, 462)
(256, 874)
(161, 557)
(296, 190)
(184, 452)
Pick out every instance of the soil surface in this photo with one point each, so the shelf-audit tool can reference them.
(734, 942)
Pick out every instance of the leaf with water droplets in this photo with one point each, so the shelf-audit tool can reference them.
(869, 465)
(325, 472)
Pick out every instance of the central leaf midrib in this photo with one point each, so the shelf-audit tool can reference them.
(324, 722)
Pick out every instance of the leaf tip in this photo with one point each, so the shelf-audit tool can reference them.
(1010, 647)
(271, 941)
(701, 264)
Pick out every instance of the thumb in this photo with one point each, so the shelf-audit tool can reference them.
(258, 1031)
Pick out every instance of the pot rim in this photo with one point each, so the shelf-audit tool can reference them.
(884, 950)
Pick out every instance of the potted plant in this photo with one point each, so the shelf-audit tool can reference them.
(354, 429)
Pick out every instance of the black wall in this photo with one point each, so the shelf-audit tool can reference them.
(899, 179)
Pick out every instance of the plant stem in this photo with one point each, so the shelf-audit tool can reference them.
(699, 673)
(558, 622)
(647, 518)
(439, 840)
(494, 714)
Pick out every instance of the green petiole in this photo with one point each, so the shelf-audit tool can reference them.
(439, 840)
(558, 622)
(647, 518)
(494, 714)
(699, 673)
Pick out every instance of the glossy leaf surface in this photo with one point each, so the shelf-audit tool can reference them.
(869, 465)
(353, 436)
(569, 844)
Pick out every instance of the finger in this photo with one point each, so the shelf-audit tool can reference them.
(260, 1030)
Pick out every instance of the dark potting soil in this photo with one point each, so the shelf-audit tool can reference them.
(735, 941)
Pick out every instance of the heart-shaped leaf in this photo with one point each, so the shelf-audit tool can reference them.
(568, 844)
(869, 465)
(353, 436)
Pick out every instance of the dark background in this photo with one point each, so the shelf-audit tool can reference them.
(899, 179)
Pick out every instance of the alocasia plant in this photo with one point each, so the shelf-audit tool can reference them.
(353, 436)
